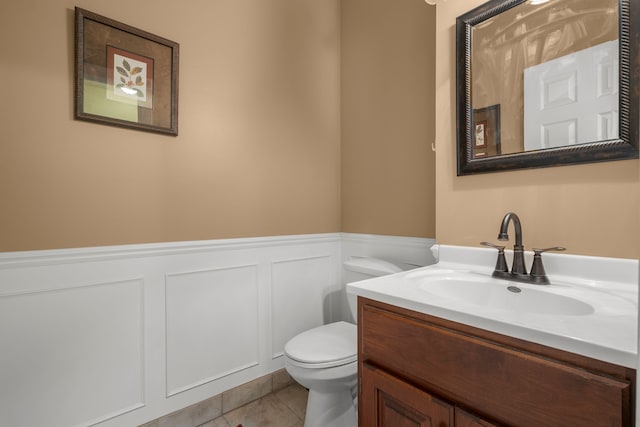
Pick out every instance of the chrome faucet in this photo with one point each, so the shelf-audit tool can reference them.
(518, 269)
(518, 249)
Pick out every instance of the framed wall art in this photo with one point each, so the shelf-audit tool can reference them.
(486, 132)
(125, 76)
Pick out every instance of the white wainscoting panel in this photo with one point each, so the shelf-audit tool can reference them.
(71, 356)
(212, 325)
(408, 252)
(118, 336)
(299, 290)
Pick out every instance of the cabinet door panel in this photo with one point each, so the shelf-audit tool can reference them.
(386, 401)
(465, 419)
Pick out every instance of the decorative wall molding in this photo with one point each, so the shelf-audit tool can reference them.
(200, 345)
(57, 344)
(299, 301)
(165, 325)
(104, 253)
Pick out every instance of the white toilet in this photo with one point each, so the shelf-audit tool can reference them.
(324, 359)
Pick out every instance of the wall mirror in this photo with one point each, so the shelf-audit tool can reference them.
(546, 83)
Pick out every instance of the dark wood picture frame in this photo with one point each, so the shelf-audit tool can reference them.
(488, 119)
(124, 76)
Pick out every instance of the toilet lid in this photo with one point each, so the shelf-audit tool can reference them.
(335, 344)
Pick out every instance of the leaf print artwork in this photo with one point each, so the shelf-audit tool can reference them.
(132, 74)
(129, 78)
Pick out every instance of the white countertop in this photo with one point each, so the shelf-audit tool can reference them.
(606, 332)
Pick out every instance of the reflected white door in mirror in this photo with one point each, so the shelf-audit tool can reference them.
(572, 99)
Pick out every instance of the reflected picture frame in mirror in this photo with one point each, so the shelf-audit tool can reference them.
(620, 146)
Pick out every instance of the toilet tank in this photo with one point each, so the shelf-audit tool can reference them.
(362, 268)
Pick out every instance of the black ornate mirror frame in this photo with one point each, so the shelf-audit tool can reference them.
(625, 147)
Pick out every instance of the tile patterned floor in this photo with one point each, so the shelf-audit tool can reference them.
(283, 408)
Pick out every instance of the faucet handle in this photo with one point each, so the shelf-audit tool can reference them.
(491, 245)
(537, 269)
(555, 248)
(501, 262)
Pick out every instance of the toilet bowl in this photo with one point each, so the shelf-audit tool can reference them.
(324, 359)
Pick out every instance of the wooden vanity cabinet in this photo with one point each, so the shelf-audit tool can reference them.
(420, 370)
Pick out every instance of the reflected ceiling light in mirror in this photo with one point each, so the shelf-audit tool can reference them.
(536, 2)
(128, 91)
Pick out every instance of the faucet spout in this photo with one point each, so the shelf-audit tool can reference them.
(518, 266)
(504, 235)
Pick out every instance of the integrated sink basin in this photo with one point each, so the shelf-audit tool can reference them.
(590, 306)
(498, 294)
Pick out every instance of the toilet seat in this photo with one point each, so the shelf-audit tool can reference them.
(326, 346)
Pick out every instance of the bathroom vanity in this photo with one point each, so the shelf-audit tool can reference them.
(416, 368)
(433, 352)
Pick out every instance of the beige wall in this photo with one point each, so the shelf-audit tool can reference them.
(591, 209)
(259, 145)
(387, 115)
(258, 149)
